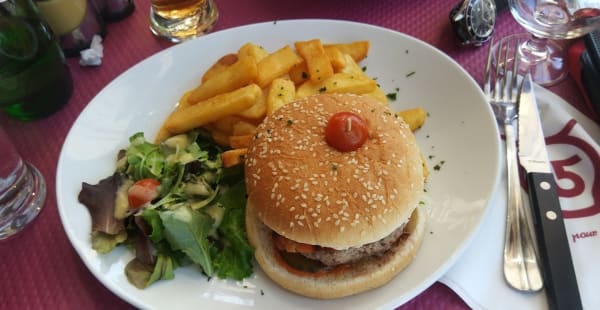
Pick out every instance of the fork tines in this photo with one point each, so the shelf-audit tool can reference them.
(498, 82)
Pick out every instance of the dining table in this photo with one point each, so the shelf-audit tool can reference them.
(39, 268)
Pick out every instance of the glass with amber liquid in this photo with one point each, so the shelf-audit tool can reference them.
(179, 20)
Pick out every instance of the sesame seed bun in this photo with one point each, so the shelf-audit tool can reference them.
(365, 275)
(309, 192)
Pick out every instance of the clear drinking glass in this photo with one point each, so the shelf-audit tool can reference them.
(178, 20)
(546, 21)
(22, 190)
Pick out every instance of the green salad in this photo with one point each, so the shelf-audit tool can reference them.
(173, 204)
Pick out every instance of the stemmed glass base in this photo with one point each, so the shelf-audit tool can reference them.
(542, 58)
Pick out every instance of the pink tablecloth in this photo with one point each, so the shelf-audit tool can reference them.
(40, 269)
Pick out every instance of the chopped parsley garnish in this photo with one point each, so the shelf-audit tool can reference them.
(410, 74)
(391, 96)
(289, 122)
(323, 89)
(439, 166)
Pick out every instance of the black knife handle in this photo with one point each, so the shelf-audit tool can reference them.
(559, 274)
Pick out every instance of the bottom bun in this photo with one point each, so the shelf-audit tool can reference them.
(358, 277)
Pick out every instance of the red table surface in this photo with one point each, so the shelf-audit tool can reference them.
(40, 269)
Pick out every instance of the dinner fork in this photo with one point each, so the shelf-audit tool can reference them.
(521, 269)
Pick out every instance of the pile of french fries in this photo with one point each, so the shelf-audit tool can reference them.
(238, 91)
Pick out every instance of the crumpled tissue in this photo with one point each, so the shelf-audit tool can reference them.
(93, 55)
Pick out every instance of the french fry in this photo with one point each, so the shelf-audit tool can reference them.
(243, 128)
(257, 111)
(161, 135)
(336, 58)
(239, 90)
(358, 50)
(233, 157)
(338, 83)
(276, 65)
(254, 51)
(221, 138)
(241, 141)
(352, 67)
(281, 92)
(221, 65)
(212, 109)
(299, 73)
(378, 95)
(225, 124)
(240, 74)
(415, 118)
(317, 62)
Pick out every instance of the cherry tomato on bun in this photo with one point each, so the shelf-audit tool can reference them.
(142, 191)
(346, 131)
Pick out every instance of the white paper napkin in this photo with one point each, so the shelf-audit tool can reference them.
(573, 142)
(93, 55)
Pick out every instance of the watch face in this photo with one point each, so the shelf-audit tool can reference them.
(482, 17)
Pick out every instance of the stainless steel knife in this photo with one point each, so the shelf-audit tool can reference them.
(553, 245)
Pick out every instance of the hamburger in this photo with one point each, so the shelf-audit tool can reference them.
(327, 223)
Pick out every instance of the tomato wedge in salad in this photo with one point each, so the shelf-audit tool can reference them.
(142, 192)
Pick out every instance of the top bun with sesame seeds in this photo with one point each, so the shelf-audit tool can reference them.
(336, 208)
(308, 191)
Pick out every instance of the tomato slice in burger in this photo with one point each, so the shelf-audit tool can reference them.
(142, 192)
(285, 244)
(346, 131)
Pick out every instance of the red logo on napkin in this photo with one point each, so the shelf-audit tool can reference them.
(576, 184)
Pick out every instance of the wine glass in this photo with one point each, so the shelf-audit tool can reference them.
(547, 21)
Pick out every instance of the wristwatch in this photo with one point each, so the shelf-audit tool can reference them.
(473, 21)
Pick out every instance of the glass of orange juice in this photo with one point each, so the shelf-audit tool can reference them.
(74, 22)
(178, 20)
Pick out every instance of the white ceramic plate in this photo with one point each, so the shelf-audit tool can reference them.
(460, 131)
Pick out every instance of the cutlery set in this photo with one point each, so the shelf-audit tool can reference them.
(516, 110)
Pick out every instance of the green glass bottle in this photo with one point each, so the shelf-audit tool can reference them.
(35, 80)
